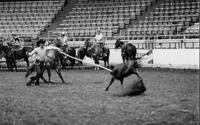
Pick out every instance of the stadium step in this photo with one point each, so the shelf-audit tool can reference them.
(69, 4)
(141, 16)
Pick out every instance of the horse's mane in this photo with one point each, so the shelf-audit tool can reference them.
(121, 42)
(88, 43)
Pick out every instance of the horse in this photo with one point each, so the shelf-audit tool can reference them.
(11, 56)
(123, 70)
(52, 59)
(8, 56)
(94, 51)
(72, 52)
(128, 51)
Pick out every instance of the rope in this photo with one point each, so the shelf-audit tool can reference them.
(148, 53)
(86, 62)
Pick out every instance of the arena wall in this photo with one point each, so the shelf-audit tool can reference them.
(164, 58)
(178, 58)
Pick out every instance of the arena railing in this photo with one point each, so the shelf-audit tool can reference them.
(186, 41)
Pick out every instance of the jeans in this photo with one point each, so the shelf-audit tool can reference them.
(39, 68)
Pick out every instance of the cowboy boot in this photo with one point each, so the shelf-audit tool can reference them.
(29, 83)
(37, 80)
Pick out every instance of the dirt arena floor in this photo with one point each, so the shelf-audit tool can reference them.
(172, 98)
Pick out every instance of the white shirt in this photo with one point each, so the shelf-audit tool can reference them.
(64, 40)
(39, 53)
(99, 37)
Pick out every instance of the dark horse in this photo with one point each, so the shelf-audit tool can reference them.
(72, 52)
(94, 51)
(128, 51)
(11, 56)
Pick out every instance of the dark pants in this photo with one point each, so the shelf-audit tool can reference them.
(39, 67)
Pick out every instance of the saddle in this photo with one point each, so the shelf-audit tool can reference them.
(15, 48)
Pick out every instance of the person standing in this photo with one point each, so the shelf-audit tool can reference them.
(39, 52)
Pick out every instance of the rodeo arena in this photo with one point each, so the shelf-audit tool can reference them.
(99, 62)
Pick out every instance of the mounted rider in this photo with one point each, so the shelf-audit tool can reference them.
(15, 43)
(99, 39)
(61, 41)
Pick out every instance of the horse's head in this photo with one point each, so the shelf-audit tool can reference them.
(88, 43)
(82, 51)
(118, 44)
(4, 47)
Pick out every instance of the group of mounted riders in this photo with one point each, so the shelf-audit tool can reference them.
(47, 53)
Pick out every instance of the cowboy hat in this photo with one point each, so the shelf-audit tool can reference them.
(98, 29)
(40, 41)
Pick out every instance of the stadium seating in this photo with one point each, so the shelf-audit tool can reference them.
(27, 18)
(194, 29)
(172, 17)
(109, 15)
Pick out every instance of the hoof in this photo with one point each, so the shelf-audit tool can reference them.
(27, 74)
(28, 83)
(63, 82)
(45, 81)
(51, 82)
(37, 84)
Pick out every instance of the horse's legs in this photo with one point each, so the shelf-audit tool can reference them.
(27, 62)
(111, 81)
(11, 65)
(108, 61)
(8, 64)
(123, 58)
(48, 67)
(72, 63)
(42, 75)
(104, 62)
(30, 70)
(58, 70)
(15, 65)
(62, 61)
(96, 60)
(121, 81)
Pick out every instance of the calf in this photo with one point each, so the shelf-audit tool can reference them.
(123, 70)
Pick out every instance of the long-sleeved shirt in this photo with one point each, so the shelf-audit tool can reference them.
(39, 52)
(63, 40)
(99, 38)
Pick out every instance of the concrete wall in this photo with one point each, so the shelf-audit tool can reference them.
(168, 58)
(176, 57)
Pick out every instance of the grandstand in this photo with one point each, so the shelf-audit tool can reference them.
(171, 17)
(125, 19)
(27, 18)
